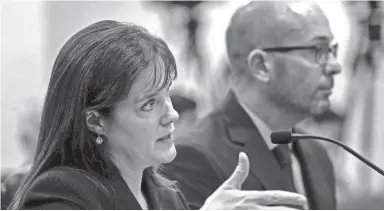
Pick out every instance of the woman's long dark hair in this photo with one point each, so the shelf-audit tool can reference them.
(95, 69)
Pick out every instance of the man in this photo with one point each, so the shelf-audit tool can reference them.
(283, 63)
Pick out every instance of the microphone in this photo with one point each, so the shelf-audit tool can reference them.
(286, 137)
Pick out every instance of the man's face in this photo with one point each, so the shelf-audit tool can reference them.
(300, 79)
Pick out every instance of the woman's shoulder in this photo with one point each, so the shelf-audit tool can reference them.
(63, 177)
(60, 172)
(65, 186)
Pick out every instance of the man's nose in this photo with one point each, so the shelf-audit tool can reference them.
(333, 66)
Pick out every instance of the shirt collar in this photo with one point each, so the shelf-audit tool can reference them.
(263, 128)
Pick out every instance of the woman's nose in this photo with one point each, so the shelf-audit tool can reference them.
(171, 115)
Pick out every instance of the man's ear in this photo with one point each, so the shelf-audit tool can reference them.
(258, 66)
(95, 122)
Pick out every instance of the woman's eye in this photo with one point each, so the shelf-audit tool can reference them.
(149, 105)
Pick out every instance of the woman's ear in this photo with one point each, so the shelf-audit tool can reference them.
(95, 122)
(257, 65)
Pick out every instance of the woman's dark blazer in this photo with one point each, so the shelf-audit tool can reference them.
(65, 187)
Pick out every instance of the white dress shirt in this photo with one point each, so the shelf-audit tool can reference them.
(265, 132)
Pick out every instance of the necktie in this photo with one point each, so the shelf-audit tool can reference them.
(283, 156)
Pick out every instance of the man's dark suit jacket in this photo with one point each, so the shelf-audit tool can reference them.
(68, 188)
(208, 155)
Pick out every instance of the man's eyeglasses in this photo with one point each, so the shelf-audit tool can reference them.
(321, 51)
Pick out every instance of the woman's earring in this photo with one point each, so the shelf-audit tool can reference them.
(99, 140)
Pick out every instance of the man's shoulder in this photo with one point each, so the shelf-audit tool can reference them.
(208, 143)
(192, 152)
(197, 149)
(203, 131)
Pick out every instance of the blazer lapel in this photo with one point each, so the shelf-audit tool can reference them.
(263, 164)
(152, 194)
(124, 198)
(122, 195)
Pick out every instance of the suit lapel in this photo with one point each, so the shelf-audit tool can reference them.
(263, 164)
(122, 195)
(319, 193)
(152, 194)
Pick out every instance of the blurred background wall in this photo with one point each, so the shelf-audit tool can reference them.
(23, 68)
(33, 32)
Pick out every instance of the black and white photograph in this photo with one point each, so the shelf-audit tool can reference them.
(187, 105)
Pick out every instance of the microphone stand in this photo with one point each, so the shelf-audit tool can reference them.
(354, 153)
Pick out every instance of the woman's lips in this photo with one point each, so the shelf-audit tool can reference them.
(167, 138)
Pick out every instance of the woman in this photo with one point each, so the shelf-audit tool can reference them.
(107, 126)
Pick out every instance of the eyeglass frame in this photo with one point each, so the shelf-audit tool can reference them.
(330, 48)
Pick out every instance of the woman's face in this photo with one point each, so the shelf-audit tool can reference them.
(139, 129)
